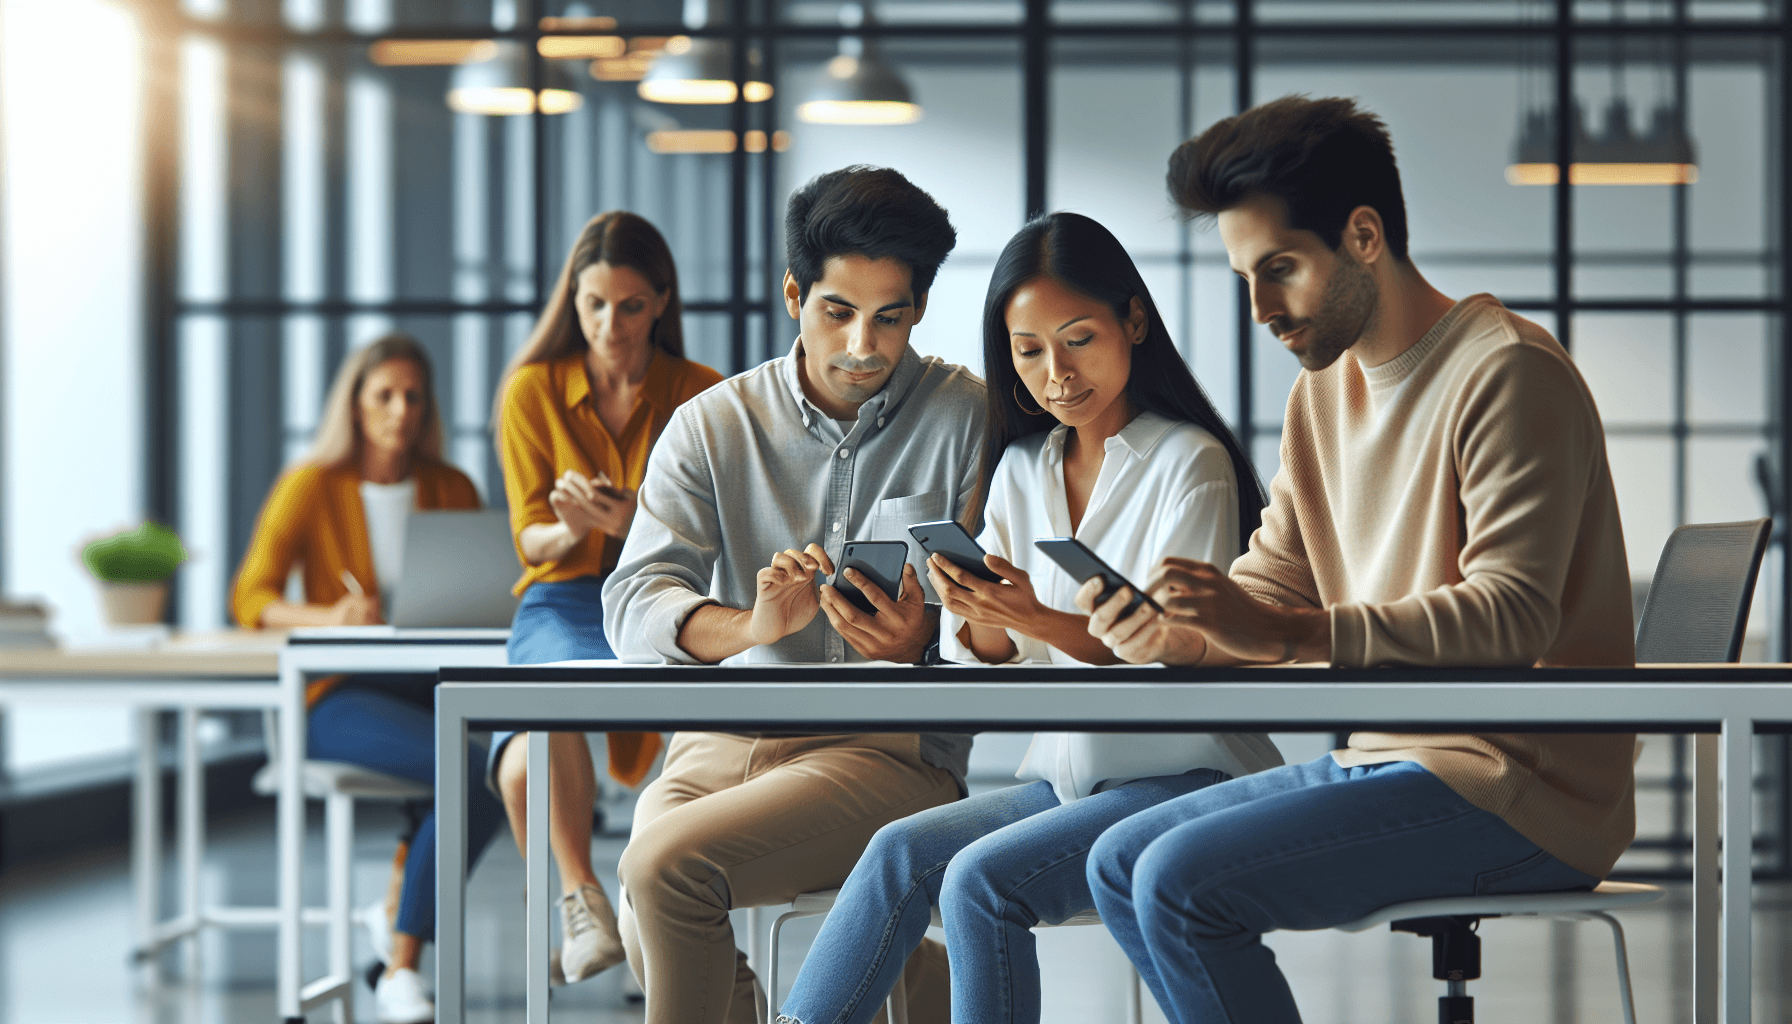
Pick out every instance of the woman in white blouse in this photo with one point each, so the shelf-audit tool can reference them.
(1096, 430)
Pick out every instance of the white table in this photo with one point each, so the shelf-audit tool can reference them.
(308, 654)
(187, 674)
(1732, 702)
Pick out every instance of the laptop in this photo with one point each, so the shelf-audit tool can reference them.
(458, 571)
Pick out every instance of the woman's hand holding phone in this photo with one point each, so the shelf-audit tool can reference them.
(1007, 605)
(585, 504)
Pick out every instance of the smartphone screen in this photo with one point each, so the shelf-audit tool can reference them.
(1075, 558)
(955, 544)
(880, 560)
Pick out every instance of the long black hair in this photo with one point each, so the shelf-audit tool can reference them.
(1081, 254)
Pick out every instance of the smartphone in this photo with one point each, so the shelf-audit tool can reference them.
(955, 544)
(1076, 559)
(880, 560)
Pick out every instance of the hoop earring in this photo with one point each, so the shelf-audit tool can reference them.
(1023, 405)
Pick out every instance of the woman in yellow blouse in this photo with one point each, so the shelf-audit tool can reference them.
(581, 405)
(339, 514)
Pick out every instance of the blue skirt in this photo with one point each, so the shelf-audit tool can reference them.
(561, 621)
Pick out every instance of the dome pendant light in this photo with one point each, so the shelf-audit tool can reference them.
(500, 85)
(857, 86)
(701, 70)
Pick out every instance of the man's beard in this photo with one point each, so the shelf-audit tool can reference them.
(1346, 313)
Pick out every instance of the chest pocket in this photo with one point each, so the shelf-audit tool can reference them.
(894, 516)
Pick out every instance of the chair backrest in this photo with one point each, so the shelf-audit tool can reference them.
(1698, 602)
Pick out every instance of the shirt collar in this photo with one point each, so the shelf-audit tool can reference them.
(576, 387)
(575, 382)
(907, 372)
(1139, 436)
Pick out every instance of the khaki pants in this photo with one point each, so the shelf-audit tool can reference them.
(738, 821)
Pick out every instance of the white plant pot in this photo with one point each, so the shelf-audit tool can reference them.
(133, 604)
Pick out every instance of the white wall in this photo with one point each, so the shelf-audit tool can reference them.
(71, 330)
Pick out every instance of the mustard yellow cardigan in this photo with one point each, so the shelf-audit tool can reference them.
(314, 518)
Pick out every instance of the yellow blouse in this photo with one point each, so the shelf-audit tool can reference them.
(548, 426)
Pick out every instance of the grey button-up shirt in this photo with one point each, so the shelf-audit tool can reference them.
(750, 467)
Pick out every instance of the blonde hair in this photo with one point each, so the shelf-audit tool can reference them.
(621, 239)
(338, 439)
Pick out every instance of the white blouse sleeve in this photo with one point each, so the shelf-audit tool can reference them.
(997, 520)
(1203, 526)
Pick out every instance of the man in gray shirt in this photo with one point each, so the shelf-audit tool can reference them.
(753, 489)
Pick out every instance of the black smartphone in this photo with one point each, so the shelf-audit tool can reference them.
(1076, 559)
(880, 560)
(955, 544)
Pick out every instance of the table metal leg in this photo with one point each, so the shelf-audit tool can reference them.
(290, 838)
(146, 838)
(451, 861)
(1707, 901)
(536, 981)
(192, 834)
(1738, 761)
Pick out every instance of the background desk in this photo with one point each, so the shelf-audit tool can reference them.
(308, 654)
(1733, 702)
(187, 674)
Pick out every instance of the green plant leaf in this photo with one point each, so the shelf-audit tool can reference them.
(148, 554)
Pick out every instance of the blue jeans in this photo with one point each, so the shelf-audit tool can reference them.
(561, 621)
(996, 864)
(1189, 887)
(378, 730)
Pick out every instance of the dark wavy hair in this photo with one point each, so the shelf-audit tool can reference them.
(873, 212)
(1322, 158)
(1082, 255)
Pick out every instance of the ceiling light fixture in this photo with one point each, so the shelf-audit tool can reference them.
(500, 85)
(701, 70)
(1664, 155)
(857, 86)
(389, 53)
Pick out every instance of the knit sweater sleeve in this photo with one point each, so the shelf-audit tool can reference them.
(1275, 567)
(1526, 446)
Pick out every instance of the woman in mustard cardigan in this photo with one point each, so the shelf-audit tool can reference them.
(578, 411)
(339, 514)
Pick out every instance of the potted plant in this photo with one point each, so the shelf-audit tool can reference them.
(133, 569)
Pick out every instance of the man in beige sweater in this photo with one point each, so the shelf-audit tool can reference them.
(1444, 499)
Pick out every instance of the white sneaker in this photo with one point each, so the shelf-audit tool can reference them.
(588, 927)
(400, 1000)
(379, 931)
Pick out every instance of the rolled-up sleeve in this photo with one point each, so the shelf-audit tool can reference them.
(664, 571)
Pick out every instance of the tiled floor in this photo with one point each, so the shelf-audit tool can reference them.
(65, 935)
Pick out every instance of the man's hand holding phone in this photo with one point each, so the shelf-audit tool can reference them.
(897, 628)
(1207, 618)
(1143, 636)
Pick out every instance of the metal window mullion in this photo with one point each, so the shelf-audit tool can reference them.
(737, 189)
(1564, 190)
(1680, 261)
(1244, 54)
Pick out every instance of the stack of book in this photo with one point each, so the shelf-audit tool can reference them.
(24, 626)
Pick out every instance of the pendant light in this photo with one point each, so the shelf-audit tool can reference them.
(500, 85)
(857, 86)
(701, 70)
(1665, 155)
